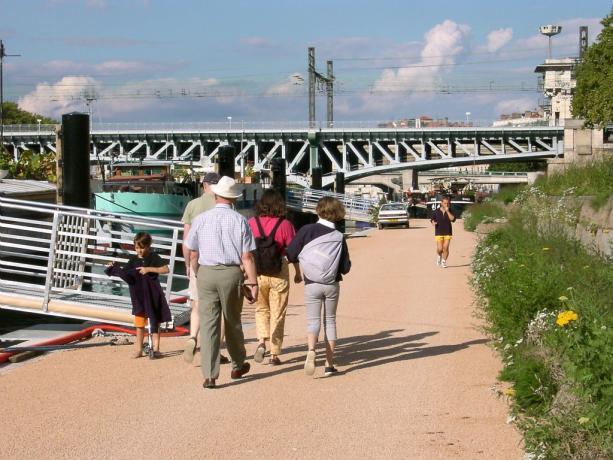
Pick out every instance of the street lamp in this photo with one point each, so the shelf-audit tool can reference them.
(229, 122)
(467, 118)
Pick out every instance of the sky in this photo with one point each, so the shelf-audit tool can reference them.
(205, 61)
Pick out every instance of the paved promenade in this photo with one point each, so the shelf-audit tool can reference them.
(414, 383)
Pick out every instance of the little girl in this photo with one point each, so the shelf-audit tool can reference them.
(148, 301)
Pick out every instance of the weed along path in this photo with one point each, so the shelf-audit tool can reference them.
(415, 380)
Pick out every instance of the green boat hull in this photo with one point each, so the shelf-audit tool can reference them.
(151, 205)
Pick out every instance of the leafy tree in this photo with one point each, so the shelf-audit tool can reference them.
(13, 115)
(593, 99)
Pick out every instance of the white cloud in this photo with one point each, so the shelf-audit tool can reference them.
(496, 39)
(294, 84)
(515, 105)
(443, 44)
(567, 42)
(98, 4)
(58, 98)
(257, 42)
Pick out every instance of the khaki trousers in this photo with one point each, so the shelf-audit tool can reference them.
(219, 293)
(271, 308)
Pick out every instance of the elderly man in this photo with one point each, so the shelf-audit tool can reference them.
(193, 209)
(223, 241)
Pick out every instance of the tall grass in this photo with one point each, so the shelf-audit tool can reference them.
(560, 368)
(594, 179)
(485, 212)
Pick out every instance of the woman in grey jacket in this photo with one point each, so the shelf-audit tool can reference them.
(322, 253)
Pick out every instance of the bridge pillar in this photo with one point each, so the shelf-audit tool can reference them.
(410, 177)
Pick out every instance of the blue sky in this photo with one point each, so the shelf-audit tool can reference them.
(163, 60)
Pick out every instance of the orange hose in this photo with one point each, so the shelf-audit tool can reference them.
(84, 333)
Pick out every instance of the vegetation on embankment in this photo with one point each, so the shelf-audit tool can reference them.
(548, 305)
(593, 180)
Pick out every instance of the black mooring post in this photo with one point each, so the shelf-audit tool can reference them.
(339, 187)
(76, 188)
(279, 176)
(226, 156)
(316, 178)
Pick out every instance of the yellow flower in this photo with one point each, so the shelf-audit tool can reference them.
(583, 420)
(509, 392)
(566, 317)
(562, 298)
(545, 249)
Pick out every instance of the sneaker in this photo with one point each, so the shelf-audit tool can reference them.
(438, 261)
(444, 263)
(189, 350)
(309, 364)
(328, 371)
(260, 351)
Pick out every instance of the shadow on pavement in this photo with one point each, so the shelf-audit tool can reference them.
(361, 352)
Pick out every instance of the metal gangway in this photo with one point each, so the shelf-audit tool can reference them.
(356, 208)
(52, 261)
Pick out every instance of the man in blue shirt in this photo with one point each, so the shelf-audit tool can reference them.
(221, 242)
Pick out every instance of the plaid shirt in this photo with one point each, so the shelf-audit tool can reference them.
(220, 236)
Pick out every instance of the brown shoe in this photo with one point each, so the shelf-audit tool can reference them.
(238, 373)
(208, 384)
(274, 361)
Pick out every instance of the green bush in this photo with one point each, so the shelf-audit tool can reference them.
(508, 194)
(547, 302)
(482, 212)
(594, 179)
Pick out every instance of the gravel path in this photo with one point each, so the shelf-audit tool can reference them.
(415, 380)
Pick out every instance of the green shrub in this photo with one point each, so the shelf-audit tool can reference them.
(526, 275)
(508, 194)
(482, 212)
(594, 179)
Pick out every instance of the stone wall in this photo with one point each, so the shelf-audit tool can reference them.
(595, 228)
(581, 145)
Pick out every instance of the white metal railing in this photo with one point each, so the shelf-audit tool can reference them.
(356, 208)
(60, 252)
(245, 125)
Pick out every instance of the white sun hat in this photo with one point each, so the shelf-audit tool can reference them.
(227, 188)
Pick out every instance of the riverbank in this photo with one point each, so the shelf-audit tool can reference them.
(416, 379)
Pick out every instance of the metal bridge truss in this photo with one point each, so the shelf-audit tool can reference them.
(356, 152)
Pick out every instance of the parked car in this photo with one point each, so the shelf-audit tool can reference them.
(393, 214)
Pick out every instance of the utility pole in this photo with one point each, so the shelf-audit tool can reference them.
(311, 87)
(330, 95)
(314, 78)
(2, 56)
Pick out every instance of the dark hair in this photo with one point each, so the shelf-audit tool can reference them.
(331, 209)
(271, 204)
(142, 239)
(446, 197)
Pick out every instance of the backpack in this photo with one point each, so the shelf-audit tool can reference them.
(320, 258)
(268, 259)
